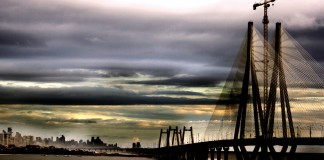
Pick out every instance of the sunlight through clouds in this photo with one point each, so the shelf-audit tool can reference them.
(107, 118)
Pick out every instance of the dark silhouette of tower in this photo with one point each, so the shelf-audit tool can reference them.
(263, 124)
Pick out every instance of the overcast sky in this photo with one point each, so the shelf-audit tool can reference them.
(132, 49)
(132, 52)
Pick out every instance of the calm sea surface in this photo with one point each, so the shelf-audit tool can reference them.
(61, 157)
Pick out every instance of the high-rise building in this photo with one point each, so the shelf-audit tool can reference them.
(6, 137)
(28, 140)
(18, 140)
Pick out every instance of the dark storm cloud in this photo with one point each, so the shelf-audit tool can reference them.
(312, 40)
(87, 96)
(37, 73)
(187, 93)
(108, 33)
(16, 38)
(84, 121)
(41, 77)
(132, 69)
(119, 38)
(182, 81)
(40, 70)
(64, 37)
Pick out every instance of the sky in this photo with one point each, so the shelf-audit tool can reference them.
(124, 69)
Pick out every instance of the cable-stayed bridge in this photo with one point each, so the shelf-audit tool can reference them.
(258, 125)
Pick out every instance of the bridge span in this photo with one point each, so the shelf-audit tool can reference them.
(221, 149)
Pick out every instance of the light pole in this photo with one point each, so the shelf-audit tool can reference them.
(321, 130)
(298, 132)
(310, 131)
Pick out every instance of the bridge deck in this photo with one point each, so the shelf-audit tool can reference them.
(253, 142)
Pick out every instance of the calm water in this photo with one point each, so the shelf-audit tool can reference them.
(61, 157)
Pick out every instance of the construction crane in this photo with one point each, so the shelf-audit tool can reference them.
(265, 22)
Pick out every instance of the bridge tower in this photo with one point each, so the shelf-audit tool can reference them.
(249, 71)
(264, 123)
(278, 79)
(177, 135)
(183, 135)
(249, 77)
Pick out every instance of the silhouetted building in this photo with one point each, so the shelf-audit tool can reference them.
(61, 140)
(137, 145)
(112, 145)
(18, 139)
(39, 141)
(96, 142)
(48, 141)
(6, 137)
(9, 130)
(28, 140)
(71, 143)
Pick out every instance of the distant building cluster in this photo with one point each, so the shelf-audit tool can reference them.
(7, 138)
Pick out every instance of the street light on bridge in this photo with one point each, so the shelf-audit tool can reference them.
(321, 130)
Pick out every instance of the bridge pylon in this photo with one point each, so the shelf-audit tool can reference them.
(250, 71)
(183, 135)
(250, 77)
(278, 79)
(264, 123)
(177, 136)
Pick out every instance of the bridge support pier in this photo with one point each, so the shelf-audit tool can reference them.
(225, 152)
(190, 155)
(212, 153)
(219, 152)
(202, 154)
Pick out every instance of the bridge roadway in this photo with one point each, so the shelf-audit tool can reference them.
(201, 151)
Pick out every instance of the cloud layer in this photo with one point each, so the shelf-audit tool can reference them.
(109, 52)
(77, 35)
(91, 43)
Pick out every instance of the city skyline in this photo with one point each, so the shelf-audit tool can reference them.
(125, 69)
(11, 137)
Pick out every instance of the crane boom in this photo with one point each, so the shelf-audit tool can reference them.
(260, 4)
(265, 22)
